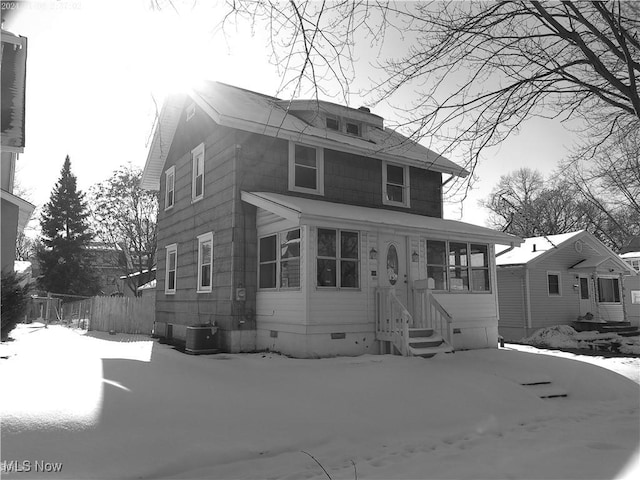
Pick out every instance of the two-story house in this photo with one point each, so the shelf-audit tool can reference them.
(309, 228)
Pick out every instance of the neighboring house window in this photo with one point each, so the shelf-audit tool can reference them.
(553, 283)
(608, 290)
(279, 260)
(338, 262)
(205, 262)
(171, 269)
(197, 166)
(170, 187)
(458, 266)
(395, 184)
(306, 169)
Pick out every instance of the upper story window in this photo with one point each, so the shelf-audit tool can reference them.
(279, 260)
(205, 262)
(170, 188)
(353, 128)
(191, 111)
(333, 123)
(306, 169)
(171, 269)
(458, 266)
(197, 168)
(553, 284)
(395, 184)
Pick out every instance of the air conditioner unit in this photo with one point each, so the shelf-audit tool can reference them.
(201, 339)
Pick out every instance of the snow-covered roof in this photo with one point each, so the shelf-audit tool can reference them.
(257, 113)
(630, 255)
(337, 215)
(148, 285)
(532, 248)
(21, 266)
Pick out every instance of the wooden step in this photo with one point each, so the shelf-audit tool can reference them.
(426, 342)
(420, 332)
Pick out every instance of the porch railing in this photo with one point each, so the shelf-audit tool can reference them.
(429, 313)
(392, 319)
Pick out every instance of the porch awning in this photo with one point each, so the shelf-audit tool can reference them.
(304, 211)
(602, 264)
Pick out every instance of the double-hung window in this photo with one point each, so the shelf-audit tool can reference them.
(457, 266)
(306, 169)
(205, 262)
(279, 260)
(338, 262)
(171, 269)
(395, 184)
(608, 290)
(170, 187)
(553, 284)
(197, 169)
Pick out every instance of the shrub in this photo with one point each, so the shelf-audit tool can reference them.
(14, 302)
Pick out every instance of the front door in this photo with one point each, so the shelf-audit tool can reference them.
(392, 265)
(586, 294)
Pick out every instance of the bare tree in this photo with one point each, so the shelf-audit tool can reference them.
(609, 182)
(478, 70)
(124, 217)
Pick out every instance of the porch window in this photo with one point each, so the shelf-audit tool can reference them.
(197, 180)
(458, 266)
(608, 290)
(279, 260)
(553, 283)
(205, 262)
(338, 262)
(170, 186)
(437, 265)
(395, 184)
(306, 169)
(171, 269)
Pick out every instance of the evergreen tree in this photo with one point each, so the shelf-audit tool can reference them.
(64, 258)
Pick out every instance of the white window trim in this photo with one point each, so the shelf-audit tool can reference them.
(338, 259)
(205, 237)
(319, 170)
(196, 153)
(608, 277)
(173, 248)
(554, 272)
(407, 188)
(170, 173)
(278, 262)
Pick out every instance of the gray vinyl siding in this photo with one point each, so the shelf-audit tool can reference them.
(512, 302)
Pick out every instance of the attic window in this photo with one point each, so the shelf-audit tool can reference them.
(354, 129)
(333, 123)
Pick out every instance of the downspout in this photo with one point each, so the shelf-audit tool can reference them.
(527, 300)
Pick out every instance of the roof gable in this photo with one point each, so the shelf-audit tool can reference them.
(262, 114)
(536, 249)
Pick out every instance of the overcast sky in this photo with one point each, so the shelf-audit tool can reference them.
(97, 69)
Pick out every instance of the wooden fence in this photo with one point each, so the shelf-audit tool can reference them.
(122, 314)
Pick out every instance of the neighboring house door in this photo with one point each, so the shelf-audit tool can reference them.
(392, 262)
(586, 294)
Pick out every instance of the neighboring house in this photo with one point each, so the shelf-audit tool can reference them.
(309, 228)
(148, 289)
(142, 278)
(15, 211)
(105, 265)
(631, 255)
(558, 280)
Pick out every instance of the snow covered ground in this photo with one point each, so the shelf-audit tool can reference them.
(123, 406)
